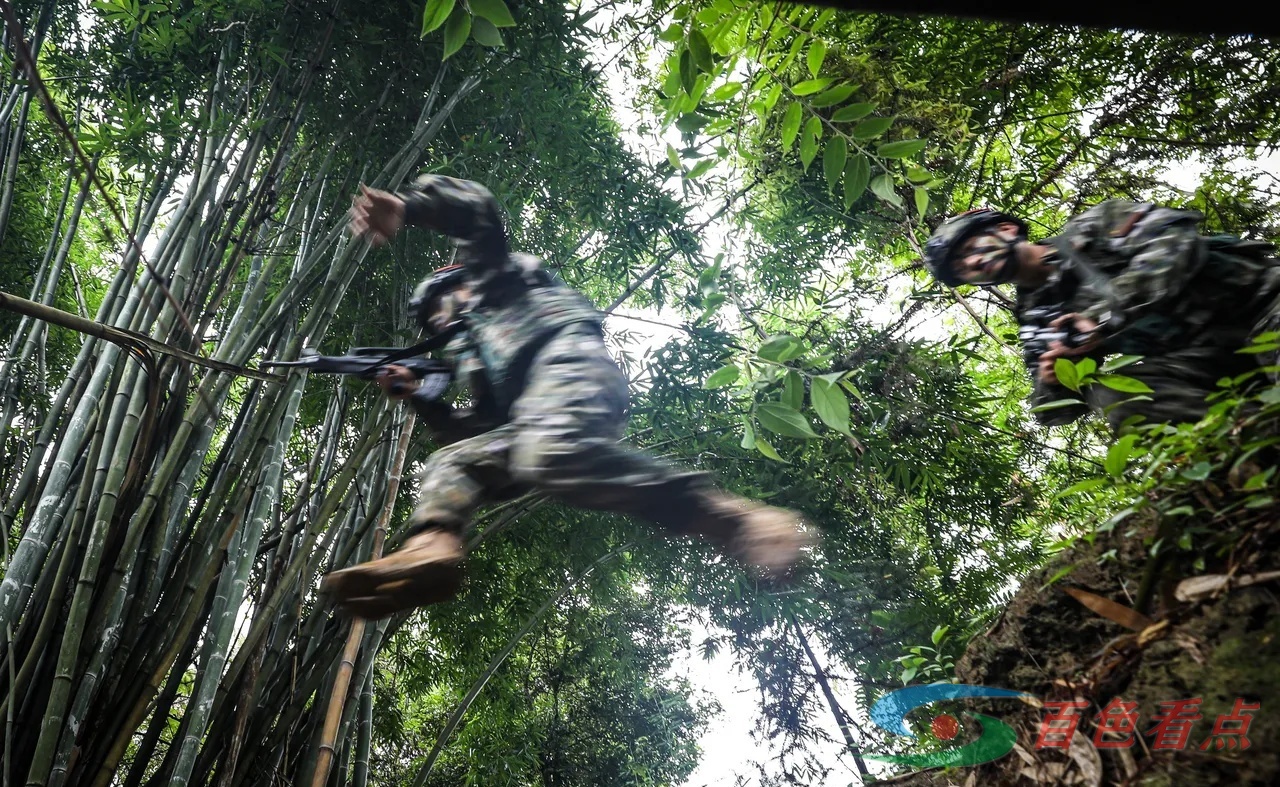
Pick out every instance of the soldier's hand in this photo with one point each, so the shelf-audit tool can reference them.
(1077, 324)
(376, 215)
(396, 381)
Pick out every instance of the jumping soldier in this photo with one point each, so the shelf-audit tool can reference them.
(548, 408)
(1124, 277)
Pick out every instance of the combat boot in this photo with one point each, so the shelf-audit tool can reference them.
(768, 539)
(427, 569)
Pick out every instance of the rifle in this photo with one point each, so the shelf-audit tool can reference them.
(367, 362)
(1037, 333)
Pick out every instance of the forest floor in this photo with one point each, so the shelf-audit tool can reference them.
(1211, 632)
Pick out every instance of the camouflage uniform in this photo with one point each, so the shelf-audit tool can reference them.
(558, 402)
(1159, 289)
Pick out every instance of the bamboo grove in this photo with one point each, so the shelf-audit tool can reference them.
(168, 521)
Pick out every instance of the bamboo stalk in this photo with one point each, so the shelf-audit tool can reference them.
(341, 682)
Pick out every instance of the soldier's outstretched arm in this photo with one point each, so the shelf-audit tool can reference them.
(458, 208)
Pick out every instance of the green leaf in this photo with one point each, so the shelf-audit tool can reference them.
(1118, 382)
(727, 91)
(833, 159)
(692, 122)
(908, 674)
(882, 187)
(817, 52)
(674, 158)
(1059, 574)
(783, 420)
(700, 48)
(857, 173)
(922, 201)
(1056, 404)
(793, 390)
(456, 31)
(852, 112)
(791, 124)
(831, 405)
(872, 128)
(939, 633)
(725, 375)
(495, 11)
(903, 148)
(702, 167)
(672, 34)
(435, 13)
(1085, 367)
(1197, 472)
(1066, 373)
(1083, 486)
(781, 348)
(748, 433)
(688, 74)
(1254, 349)
(484, 32)
(810, 86)
(1118, 455)
(763, 446)
(809, 141)
(834, 96)
(918, 175)
(1120, 361)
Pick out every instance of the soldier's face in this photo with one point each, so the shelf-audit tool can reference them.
(448, 307)
(984, 258)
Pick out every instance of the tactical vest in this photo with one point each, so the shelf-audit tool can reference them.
(508, 335)
(1234, 280)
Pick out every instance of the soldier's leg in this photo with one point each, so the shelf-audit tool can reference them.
(427, 569)
(567, 426)
(1180, 381)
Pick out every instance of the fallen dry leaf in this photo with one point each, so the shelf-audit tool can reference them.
(1117, 613)
(1196, 588)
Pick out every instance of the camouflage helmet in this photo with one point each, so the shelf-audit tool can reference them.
(441, 281)
(946, 240)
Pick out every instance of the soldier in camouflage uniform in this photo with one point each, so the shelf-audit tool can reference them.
(1131, 278)
(548, 409)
